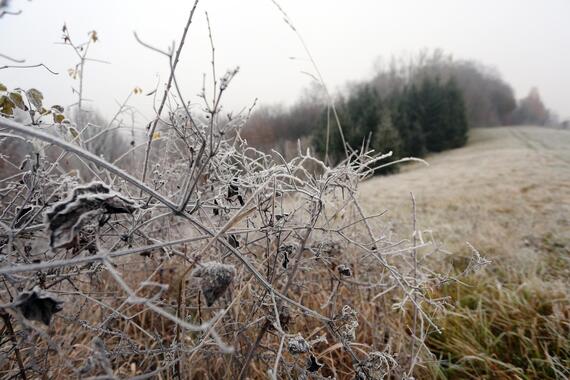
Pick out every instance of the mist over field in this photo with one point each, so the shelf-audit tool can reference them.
(284, 190)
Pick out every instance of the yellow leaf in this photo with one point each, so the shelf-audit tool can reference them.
(58, 118)
(6, 106)
(155, 136)
(18, 100)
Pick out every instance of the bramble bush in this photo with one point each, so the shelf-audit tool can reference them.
(203, 257)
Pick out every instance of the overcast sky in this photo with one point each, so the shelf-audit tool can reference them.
(528, 42)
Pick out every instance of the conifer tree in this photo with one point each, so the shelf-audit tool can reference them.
(406, 120)
(363, 109)
(457, 116)
(387, 138)
(433, 117)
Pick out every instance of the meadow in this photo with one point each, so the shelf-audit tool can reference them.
(508, 194)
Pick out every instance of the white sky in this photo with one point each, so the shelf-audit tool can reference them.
(527, 41)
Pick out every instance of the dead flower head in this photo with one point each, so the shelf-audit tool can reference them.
(346, 323)
(215, 279)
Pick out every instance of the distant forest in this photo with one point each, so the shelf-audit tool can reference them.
(411, 107)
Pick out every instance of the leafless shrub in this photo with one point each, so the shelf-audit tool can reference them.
(275, 249)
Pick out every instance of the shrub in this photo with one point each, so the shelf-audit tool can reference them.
(117, 271)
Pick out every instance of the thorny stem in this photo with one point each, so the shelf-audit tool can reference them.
(27, 67)
(285, 289)
(260, 335)
(215, 102)
(89, 259)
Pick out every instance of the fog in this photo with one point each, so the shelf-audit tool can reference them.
(526, 41)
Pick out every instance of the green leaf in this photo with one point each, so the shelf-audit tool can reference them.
(2, 87)
(35, 97)
(18, 100)
(58, 118)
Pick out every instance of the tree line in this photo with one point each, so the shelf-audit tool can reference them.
(429, 117)
(411, 106)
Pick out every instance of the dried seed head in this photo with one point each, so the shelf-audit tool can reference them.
(327, 249)
(286, 250)
(344, 270)
(215, 279)
(346, 323)
(376, 366)
(298, 345)
(37, 305)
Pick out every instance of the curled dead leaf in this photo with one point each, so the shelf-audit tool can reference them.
(37, 305)
(313, 364)
(66, 218)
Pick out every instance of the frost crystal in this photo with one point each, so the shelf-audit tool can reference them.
(477, 262)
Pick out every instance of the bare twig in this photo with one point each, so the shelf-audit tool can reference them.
(27, 67)
(167, 89)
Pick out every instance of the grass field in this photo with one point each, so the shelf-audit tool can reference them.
(508, 194)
